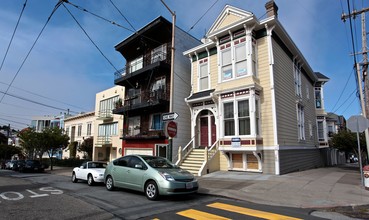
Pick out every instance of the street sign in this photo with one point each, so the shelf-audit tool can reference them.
(172, 129)
(170, 116)
(357, 123)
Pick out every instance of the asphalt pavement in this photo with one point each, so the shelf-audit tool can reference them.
(330, 190)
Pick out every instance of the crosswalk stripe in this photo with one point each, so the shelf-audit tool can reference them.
(250, 212)
(198, 215)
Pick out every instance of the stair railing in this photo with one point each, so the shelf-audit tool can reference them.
(182, 153)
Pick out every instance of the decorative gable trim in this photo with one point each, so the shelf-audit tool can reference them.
(228, 10)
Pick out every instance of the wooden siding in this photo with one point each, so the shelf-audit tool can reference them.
(223, 162)
(267, 131)
(229, 19)
(268, 159)
(297, 160)
(286, 100)
(213, 71)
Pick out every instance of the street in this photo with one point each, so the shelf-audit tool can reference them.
(49, 196)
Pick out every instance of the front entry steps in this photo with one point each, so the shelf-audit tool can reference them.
(194, 161)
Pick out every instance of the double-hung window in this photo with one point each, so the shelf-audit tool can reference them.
(300, 122)
(89, 128)
(134, 126)
(318, 98)
(244, 117)
(226, 59)
(203, 75)
(79, 130)
(229, 125)
(297, 77)
(240, 57)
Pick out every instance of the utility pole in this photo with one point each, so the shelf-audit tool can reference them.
(364, 100)
(170, 140)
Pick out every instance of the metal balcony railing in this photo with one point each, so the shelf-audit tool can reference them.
(103, 140)
(147, 59)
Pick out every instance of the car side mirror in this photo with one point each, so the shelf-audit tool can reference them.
(81, 167)
(138, 166)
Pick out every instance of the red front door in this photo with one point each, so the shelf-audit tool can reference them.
(204, 132)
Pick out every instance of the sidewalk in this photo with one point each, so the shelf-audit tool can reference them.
(321, 188)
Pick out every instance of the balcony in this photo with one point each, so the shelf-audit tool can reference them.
(103, 141)
(105, 114)
(157, 101)
(134, 69)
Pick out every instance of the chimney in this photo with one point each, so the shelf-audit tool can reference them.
(272, 9)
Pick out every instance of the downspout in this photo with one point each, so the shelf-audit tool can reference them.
(272, 94)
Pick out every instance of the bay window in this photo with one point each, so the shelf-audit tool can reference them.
(241, 116)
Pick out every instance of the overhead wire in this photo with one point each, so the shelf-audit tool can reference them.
(122, 15)
(35, 102)
(202, 16)
(30, 50)
(12, 37)
(42, 96)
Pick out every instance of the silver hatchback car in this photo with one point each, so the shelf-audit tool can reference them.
(152, 175)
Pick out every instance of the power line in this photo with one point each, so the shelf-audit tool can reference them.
(202, 16)
(29, 52)
(44, 96)
(339, 98)
(96, 15)
(122, 14)
(84, 31)
(11, 39)
(35, 102)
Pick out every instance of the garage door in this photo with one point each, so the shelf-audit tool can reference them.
(141, 151)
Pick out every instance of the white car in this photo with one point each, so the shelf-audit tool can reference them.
(92, 171)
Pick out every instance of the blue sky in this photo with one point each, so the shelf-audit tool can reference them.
(65, 70)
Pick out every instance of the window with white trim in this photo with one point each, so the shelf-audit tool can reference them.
(79, 130)
(320, 126)
(244, 117)
(226, 62)
(107, 105)
(300, 122)
(257, 117)
(89, 128)
(108, 130)
(297, 77)
(203, 74)
(228, 112)
(240, 57)
(318, 98)
(238, 118)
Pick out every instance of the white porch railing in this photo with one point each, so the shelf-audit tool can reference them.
(208, 156)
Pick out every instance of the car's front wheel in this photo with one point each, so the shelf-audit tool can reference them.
(90, 180)
(74, 178)
(151, 190)
(109, 183)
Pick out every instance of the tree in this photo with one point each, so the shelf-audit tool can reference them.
(3, 139)
(347, 141)
(7, 151)
(53, 139)
(72, 149)
(87, 146)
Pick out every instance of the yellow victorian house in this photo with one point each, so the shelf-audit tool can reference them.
(252, 102)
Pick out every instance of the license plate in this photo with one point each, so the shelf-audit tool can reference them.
(189, 185)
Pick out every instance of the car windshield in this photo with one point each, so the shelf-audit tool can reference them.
(97, 165)
(158, 162)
